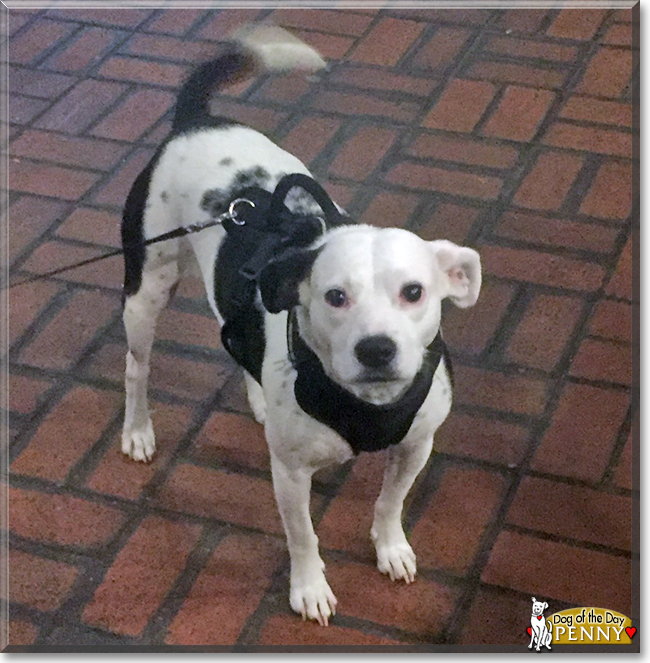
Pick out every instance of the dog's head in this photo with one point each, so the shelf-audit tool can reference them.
(539, 607)
(369, 302)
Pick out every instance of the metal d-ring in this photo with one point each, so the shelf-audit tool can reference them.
(232, 212)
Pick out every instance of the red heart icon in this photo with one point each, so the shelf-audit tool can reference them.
(530, 630)
(539, 617)
(630, 630)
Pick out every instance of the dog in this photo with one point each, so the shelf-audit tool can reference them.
(338, 328)
(540, 635)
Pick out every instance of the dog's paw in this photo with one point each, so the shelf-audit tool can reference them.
(313, 600)
(139, 444)
(398, 561)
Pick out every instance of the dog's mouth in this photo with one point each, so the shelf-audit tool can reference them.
(377, 378)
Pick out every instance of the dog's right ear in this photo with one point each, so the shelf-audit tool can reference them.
(534, 599)
(280, 279)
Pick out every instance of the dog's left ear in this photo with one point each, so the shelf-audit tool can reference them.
(280, 279)
(545, 605)
(461, 267)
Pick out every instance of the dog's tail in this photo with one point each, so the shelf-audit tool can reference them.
(252, 50)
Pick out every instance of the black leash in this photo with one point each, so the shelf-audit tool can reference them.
(230, 215)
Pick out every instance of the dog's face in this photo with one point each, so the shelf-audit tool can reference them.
(539, 607)
(370, 302)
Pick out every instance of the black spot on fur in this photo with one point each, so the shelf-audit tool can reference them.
(257, 176)
(164, 196)
(226, 162)
(213, 202)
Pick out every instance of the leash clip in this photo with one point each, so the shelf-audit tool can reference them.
(231, 214)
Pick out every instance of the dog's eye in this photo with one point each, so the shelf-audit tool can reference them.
(336, 298)
(412, 292)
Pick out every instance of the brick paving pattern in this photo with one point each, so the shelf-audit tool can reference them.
(509, 130)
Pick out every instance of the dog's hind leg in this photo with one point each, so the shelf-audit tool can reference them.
(394, 553)
(141, 311)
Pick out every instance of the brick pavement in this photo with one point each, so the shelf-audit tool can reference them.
(509, 130)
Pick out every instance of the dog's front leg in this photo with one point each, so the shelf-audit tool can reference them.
(310, 595)
(394, 554)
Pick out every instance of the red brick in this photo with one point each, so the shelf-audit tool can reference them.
(25, 393)
(449, 221)
(542, 230)
(365, 594)
(121, 17)
(135, 115)
(527, 48)
(612, 320)
(348, 103)
(576, 23)
(519, 74)
(610, 196)
(65, 338)
(21, 632)
(227, 591)
(87, 49)
(119, 185)
(170, 48)
(80, 107)
(608, 73)
(470, 330)
(53, 450)
(45, 180)
(463, 150)
(323, 20)
(624, 16)
(348, 519)
(509, 393)
(588, 109)
(603, 360)
(448, 534)
(547, 185)
(93, 226)
(16, 21)
(574, 512)
(526, 21)
(284, 630)
(390, 210)
(371, 78)
(461, 106)
(118, 475)
(544, 330)
(574, 575)
(62, 519)
(466, 16)
(70, 150)
(52, 255)
(581, 436)
(620, 284)
(519, 114)
(143, 71)
(223, 495)
(39, 37)
(619, 35)
(331, 47)
(262, 119)
(232, 438)
(362, 153)
(341, 193)
(588, 139)
(284, 89)
(179, 376)
(495, 618)
(40, 583)
(188, 328)
(176, 21)
(442, 49)
(38, 83)
(226, 22)
(25, 304)
(28, 218)
(454, 182)
(484, 439)
(542, 268)
(141, 576)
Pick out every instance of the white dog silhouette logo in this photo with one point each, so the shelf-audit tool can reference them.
(540, 633)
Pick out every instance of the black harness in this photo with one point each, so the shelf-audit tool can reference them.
(258, 233)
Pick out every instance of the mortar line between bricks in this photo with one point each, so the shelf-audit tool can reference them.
(615, 457)
(64, 40)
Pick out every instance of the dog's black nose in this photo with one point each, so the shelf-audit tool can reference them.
(375, 351)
